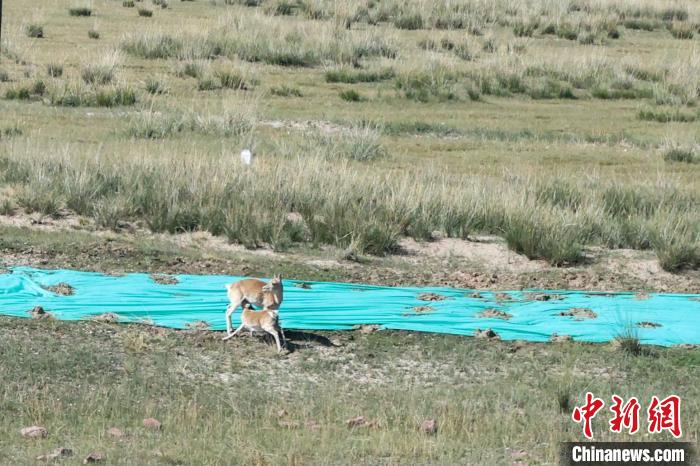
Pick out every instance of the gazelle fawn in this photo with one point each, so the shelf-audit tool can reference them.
(255, 292)
(266, 320)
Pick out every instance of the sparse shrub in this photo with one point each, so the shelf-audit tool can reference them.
(681, 30)
(151, 125)
(427, 44)
(462, 51)
(410, 21)
(78, 94)
(37, 196)
(115, 96)
(192, 68)
(4, 76)
(434, 83)
(538, 236)
(663, 115)
(286, 91)
(549, 28)
(155, 87)
(681, 154)
(145, 12)
(35, 31)
(230, 79)
(38, 88)
(7, 207)
(525, 28)
(490, 45)
(628, 342)
(100, 71)
(128, 3)
(208, 83)
(551, 89)
(351, 95)
(283, 8)
(80, 11)
(344, 75)
(152, 46)
(11, 131)
(93, 34)
(674, 14)
(589, 38)
(643, 24)
(567, 31)
(26, 91)
(54, 70)
(359, 142)
(677, 245)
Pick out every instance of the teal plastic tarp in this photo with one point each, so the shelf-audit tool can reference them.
(338, 306)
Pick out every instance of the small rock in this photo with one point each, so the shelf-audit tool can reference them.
(487, 334)
(542, 297)
(288, 424)
(94, 457)
(303, 286)
(560, 338)
(579, 313)
(61, 288)
(115, 432)
(313, 425)
(431, 297)
(516, 454)
(367, 329)
(420, 309)
(163, 279)
(641, 296)
(503, 297)
(358, 421)
(38, 312)
(646, 324)
(429, 426)
(152, 423)
(34, 432)
(494, 313)
(476, 295)
(197, 325)
(108, 317)
(59, 452)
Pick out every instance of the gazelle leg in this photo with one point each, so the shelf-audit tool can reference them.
(229, 312)
(273, 332)
(234, 333)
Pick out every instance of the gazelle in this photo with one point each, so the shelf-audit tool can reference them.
(266, 320)
(255, 292)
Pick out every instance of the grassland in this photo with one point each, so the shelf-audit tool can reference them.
(557, 129)
(220, 403)
(564, 132)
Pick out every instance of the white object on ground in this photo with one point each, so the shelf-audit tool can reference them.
(246, 157)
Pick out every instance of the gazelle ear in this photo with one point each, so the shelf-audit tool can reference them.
(278, 276)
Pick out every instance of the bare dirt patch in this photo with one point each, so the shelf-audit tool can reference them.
(489, 251)
(423, 309)
(107, 317)
(63, 289)
(487, 334)
(494, 314)
(646, 324)
(431, 297)
(163, 279)
(579, 313)
(39, 312)
(543, 297)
